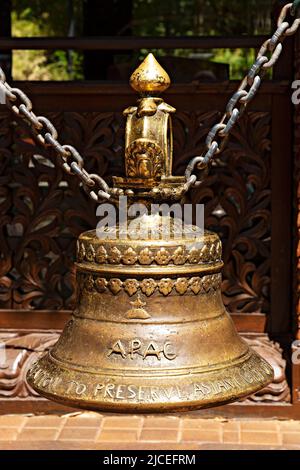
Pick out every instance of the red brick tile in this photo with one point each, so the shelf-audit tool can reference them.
(81, 433)
(38, 434)
(261, 425)
(158, 422)
(8, 434)
(202, 424)
(231, 426)
(151, 430)
(289, 426)
(126, 422)
(231, 437)
(14, 421)
(84, 421)
(292, 438)
(116, 436)
(201, 435)
(44, 421)
(88, 414)
(159, 435)
(260, 438)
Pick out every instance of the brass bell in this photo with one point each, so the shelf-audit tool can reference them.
(149, 331)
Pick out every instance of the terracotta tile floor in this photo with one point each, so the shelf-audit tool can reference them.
(94, 431)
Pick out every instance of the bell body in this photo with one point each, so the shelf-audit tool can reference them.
(150, 331)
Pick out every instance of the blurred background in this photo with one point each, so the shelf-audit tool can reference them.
(131, 19)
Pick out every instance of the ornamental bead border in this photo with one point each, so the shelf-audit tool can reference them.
(208, 253)
(181, 285)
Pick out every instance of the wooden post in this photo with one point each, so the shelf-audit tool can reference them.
(296, 232)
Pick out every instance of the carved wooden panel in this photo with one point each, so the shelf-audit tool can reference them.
(17, 352)
(237, 196)
(43, 210)
(278, 390)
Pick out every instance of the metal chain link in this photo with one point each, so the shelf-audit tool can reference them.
(218, 135)
(69, 158)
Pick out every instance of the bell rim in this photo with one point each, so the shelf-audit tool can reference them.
(175, 404)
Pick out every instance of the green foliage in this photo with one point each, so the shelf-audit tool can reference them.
(205, 18)
(239, 60)
(201, 17)
(43, 18)
(51, 16)
(149, 17)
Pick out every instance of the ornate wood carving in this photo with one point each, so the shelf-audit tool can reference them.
(19, 349)
(17, 352)
(278, 390)
(236, 195)
(43, 210)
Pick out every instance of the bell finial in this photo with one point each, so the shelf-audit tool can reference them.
(150, 78)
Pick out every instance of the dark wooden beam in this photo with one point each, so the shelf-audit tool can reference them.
(281, 228)
(128, 43)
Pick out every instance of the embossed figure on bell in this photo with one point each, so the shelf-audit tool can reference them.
(149, 331)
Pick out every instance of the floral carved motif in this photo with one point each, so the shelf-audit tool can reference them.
(144, 159)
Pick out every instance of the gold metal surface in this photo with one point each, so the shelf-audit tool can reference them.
(149, 139)
(150, 78)
(150, 331)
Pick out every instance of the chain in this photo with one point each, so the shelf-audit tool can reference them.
(218, 135)
(95, 186)
(69, 158)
